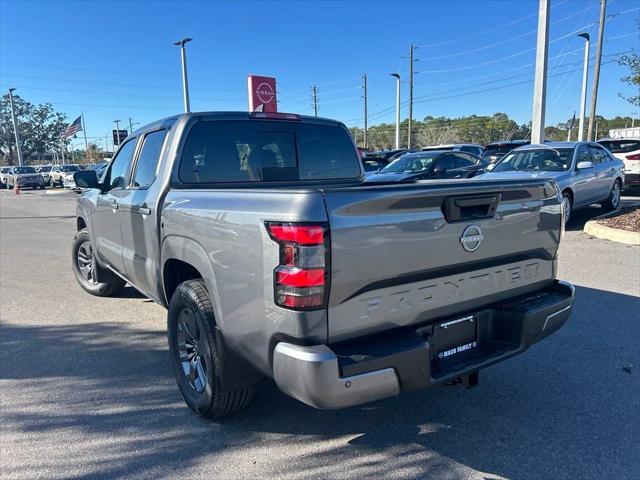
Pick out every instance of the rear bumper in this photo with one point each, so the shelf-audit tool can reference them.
(359, 372)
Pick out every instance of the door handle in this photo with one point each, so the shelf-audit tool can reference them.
(143, 209)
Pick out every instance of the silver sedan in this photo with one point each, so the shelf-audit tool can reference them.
(585, 172)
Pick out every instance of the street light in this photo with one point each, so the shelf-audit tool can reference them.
(585, 76)
(397, 76)
(185, 81)
(15, 128)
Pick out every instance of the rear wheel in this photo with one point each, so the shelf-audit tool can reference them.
(567, 205)
(194, 354)
(85, 267)
(613, 201)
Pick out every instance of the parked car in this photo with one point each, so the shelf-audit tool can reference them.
(627, 150)
(429, 165)
(496, 150)
(24, 177)
(374, 161)
(585, 172)
(44, 170)
(4, 172)
(458, 147)
(257, 232)
(58, 172)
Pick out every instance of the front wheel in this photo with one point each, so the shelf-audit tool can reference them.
(194, 354)
(613, 201)
(84, 265)
(567, 205)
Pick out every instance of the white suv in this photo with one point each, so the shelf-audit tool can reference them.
(627, 150)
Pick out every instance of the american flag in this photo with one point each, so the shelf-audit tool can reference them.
(73, 128)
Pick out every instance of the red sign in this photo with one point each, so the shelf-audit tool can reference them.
(262, 94)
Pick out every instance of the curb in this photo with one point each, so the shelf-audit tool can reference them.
(593, 228)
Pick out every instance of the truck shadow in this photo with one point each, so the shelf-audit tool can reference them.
(563, 409)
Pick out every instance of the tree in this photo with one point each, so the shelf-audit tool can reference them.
(633, 62)
(40, 128)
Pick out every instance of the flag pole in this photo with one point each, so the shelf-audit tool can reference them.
(86, 145)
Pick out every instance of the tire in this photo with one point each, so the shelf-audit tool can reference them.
(89, 284)
(41, 187)
(192, 345)
(567, 207)
(613, 200)
(10, 187)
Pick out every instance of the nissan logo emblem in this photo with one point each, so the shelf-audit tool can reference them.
(265, 92)
(471, 238)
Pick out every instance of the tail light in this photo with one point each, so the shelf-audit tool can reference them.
(301, 278)
(635, 156)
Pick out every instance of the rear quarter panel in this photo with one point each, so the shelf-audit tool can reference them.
(222, 233)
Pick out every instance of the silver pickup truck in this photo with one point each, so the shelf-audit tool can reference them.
(275, 259)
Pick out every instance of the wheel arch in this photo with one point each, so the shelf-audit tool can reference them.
(185, 259)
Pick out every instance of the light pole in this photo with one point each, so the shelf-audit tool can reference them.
(15, 127)
(585, 77)
(117, 137)
(185, 81)
(540, 82)
(397, 77)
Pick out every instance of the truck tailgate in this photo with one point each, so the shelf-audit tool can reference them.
(406, 254)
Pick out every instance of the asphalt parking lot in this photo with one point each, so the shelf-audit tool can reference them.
(87, 391)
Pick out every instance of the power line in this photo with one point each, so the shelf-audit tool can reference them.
(155, 75)
(523, 52)
(510, 39)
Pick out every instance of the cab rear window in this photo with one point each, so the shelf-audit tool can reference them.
(264, 151)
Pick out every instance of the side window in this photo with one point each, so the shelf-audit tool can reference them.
(462, 160)
(117, 175)
(147, 163)
(583, 155)
(598, 155)
(448, 161)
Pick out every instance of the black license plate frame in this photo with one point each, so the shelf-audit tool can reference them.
(454, 337)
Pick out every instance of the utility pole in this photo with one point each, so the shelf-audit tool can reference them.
(15, 128)
(131, 124)
(410, 96)
(596, 70)
(585, 77)
(540, 85)
(397, 77)
(573, 121)
(185, 80)
(117, 137)
(314, 99)
(364, 86)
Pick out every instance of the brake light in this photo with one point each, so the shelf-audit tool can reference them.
(301, 278)
(635, 156)
(275, 116)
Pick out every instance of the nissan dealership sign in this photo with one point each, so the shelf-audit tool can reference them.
(262, 94)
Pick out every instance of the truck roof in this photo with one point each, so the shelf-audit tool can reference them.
(231, 115)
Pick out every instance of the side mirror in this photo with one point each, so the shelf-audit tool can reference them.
(439, 170)
(86, 179)
(584, 165)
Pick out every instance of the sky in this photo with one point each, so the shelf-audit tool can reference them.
(116, 60)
